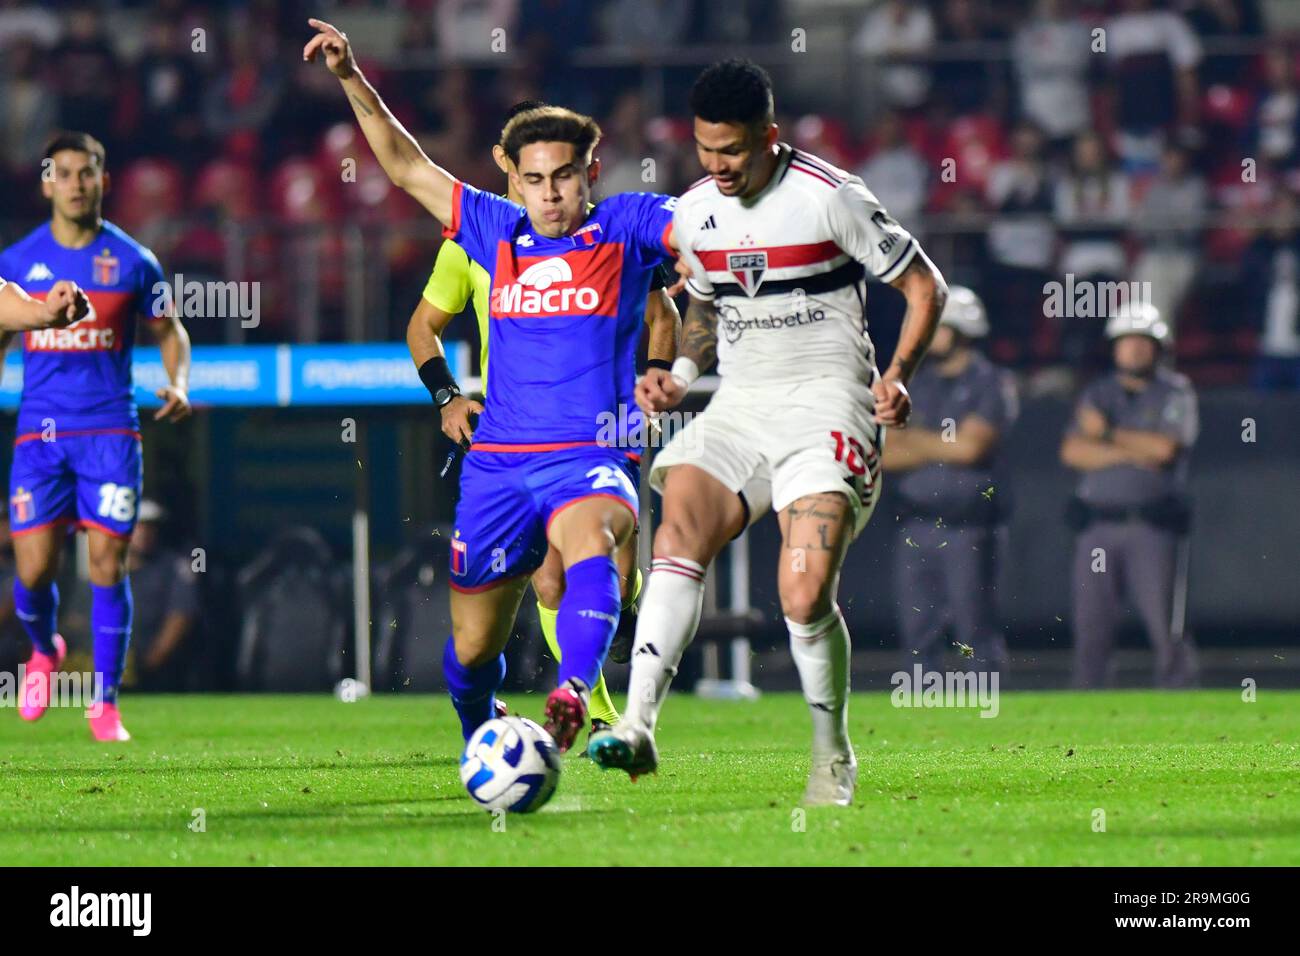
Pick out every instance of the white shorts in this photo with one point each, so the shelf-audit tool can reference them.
(774, 446)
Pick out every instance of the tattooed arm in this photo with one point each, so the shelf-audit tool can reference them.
(926, 292)
(397, 151)
(660, 389)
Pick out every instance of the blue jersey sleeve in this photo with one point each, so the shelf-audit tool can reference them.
(479, 220)
(649, 217)
(153, 294)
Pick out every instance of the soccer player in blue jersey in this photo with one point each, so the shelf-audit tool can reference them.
(567, 294)
(77, 456)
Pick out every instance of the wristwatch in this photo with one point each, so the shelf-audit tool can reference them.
(444, 395)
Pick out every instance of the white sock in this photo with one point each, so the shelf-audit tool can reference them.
(821, 653)
(666, 623)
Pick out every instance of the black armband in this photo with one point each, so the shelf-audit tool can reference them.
(437, 378)
(659, 363)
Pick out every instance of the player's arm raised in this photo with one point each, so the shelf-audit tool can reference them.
(397, 151)
(64, 304)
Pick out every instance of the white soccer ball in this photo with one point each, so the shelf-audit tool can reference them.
(510, 763)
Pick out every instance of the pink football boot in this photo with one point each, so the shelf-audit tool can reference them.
(107, 725)
(36, 683)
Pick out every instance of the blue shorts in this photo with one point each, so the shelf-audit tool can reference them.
(508, 500)
(90, 480)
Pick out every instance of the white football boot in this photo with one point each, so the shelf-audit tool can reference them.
(625, 746)
(832, 781)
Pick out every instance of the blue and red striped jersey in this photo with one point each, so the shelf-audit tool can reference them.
(565, 313)
(80, 377)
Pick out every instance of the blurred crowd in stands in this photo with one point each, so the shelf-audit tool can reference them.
(1023, 140)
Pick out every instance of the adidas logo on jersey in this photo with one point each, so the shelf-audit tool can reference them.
(39, 272)
(532, 292)
(708, 224)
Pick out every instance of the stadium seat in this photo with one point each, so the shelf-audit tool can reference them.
(145, 193)
(228, 188)
(300, 193)
(824, 136)
(294, 619)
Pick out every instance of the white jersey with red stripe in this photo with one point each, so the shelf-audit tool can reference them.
(786, 271)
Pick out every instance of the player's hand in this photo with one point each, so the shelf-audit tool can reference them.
(65, 304)
(659, 390)
(176, 404)
(684, 271)
(333, 42)
(456, 423)
(893, 404)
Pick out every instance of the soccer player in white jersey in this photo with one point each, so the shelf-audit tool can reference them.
(778, 243)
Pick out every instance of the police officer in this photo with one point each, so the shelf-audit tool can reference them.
(1130, 439)
(952, 506)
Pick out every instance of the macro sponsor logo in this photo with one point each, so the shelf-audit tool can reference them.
(585, 282)
(97, 332)
(734, 325)
(542, 290)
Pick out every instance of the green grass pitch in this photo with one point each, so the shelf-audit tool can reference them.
(1183, 778)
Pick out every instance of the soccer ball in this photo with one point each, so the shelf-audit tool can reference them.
(510, 763)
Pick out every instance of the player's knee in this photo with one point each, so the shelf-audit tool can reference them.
(805, 601)
(107, 570)
(471, 652)
(37, 575)
(677, 538)
(549, 587)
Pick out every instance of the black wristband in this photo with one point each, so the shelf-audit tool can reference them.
(659, 363)
(436, 376)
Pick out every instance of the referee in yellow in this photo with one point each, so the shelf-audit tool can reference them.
(455, 280)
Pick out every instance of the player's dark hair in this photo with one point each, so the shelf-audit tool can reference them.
(550, 124)
(523, 106)
(734, 91)
(81, 142)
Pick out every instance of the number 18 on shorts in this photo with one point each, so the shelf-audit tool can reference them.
(90, 480)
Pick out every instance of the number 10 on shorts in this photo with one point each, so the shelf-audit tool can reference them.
(850, 452)
(116, 501)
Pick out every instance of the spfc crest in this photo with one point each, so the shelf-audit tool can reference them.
(748, 268)
(107, 269)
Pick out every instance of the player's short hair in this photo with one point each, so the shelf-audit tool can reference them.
(734, 91)
(523, 106)
(81, 142)
(549, 124)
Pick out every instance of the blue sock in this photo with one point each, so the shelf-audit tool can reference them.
(38, 609)
(473, 689)
(110, 623)
(587, 618)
